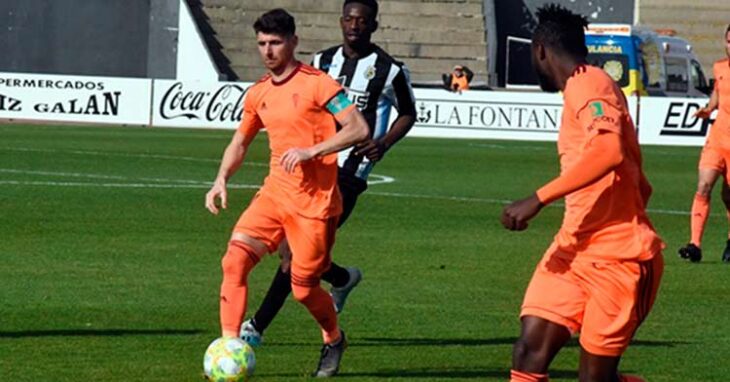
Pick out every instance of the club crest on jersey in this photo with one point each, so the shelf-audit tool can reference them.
(370, 73)
(597, 108)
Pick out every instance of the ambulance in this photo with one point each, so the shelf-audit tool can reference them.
(646, 62)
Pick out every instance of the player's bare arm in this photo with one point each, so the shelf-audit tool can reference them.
(601, 156)
(354, 129)
(706, 111)
(375, 149)
(232, 159)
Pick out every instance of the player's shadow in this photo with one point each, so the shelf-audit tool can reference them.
(435, 373)
(380, 341)
(99, 333)
(470, 373)
(438, 342)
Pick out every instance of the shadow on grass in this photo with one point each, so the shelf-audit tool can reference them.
(377, 341)
(100, 333)
(425, 373)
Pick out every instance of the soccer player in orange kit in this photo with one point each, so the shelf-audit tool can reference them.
(601, 274)
(300, 107)
(715, 159)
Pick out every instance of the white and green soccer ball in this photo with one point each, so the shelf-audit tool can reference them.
(229, 360)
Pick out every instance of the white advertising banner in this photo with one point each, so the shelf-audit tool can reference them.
(124, 101)
(216, 105)
(487, 115)
(671, 122)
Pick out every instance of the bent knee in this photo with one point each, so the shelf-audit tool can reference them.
(303, 294)
(529, 357)
(237, 263)
(704, 188)
(257, 246)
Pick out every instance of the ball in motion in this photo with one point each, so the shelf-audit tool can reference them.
(229, 360)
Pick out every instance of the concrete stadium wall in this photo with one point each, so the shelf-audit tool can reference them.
(123, 38)
(430, 36)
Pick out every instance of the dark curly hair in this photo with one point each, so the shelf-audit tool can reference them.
(561, 29)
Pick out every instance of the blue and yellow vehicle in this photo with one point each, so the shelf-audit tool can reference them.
(646, 62)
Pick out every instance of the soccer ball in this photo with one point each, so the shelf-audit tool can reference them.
(229, 360)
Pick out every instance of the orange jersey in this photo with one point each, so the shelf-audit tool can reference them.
(720, 132)
(605, 220)
(295, 114)
(459, 83)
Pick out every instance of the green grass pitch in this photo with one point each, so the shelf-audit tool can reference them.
(110, 264)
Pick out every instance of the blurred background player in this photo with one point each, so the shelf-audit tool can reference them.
(715, 159)
(458, 80)
(375, 82)
(601, 274)
(299, 106)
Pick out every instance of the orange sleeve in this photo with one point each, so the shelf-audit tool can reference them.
(601, 155)
(598, 115)
(250, 123)
(331, 96)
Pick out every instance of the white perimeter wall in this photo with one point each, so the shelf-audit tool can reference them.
(212, 104)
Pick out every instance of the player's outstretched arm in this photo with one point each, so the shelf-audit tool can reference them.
(602, 154)
(232, 159)
(354, 129)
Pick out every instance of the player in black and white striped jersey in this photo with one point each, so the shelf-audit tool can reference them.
(376, 83)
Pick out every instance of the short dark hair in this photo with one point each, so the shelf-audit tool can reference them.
(561, 29)
(727, 30)
(372, 4)
(276, 21)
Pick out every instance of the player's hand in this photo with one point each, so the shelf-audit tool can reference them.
(372, 149)
(293, 157)
(516, 215)
(217, 191)
(703, 113)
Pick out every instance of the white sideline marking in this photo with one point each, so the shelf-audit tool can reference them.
(152, 156)
(191, 184)
(121, 185)
(381, 179)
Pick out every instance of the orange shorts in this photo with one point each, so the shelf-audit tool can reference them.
(269, 220)
(606, 302)
(713, 158)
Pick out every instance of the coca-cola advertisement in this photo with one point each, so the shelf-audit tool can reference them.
(85, 99)
(216, 105)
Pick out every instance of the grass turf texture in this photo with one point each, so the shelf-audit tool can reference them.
(111, 265)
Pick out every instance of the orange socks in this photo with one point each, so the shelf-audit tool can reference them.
(319, 304)
(700, 212)
(237, 263)
(523, 376)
